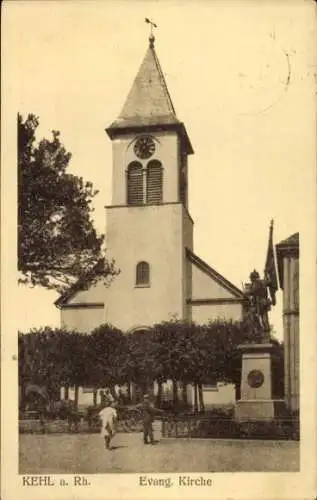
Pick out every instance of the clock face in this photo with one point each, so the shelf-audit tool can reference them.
(144, 147)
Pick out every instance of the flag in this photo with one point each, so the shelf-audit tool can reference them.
(270, 268)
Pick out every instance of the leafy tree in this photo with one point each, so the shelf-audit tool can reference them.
(105, 357)
(179, 355)
(198, 354)
(46, 358)
(225, 337)
(183, 352)
(57, 242)
(168, 355)
(141, 360)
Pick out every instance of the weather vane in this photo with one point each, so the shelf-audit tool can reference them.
(152, 25)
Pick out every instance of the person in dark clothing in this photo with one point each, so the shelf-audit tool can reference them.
(148, 414)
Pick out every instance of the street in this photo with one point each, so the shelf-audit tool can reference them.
(85, 454)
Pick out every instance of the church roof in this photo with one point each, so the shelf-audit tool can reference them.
(81, 284)
(291, 241)
(221, 280)
(149, 104)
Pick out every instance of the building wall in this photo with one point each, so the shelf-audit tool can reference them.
(202, 313)
(224, 394)
(204, 287)
(187, 267)
(217, 395)
(291, 330)
(85, 395)
(82, 319)
(94, 294)
(131, 239)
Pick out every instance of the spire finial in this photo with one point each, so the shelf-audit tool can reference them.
(151, 37)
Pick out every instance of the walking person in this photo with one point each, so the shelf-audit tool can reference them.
(108, 418)
(148, 415)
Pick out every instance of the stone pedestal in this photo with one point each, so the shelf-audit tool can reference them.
(256, 383)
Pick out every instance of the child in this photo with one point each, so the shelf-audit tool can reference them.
(108, 418)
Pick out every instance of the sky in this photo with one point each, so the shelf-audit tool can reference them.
(241, 78)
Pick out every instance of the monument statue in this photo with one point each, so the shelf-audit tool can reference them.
(256, 401)
(260, 296)
(258, 305)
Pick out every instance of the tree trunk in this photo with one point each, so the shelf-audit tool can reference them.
(201, 397)
(195, 398)
(159, 394)
(145, 388)
(150, 389)
(94, 402)
(66, 392)
(129, 392)
(113, 392)
(184, 393)
(175, 393)
(133, 393)
(76, 396)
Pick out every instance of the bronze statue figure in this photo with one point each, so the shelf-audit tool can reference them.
(258, 305)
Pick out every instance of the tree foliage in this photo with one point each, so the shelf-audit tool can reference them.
(47, 358)
(185, 353)
(57, 242)
(141, 361)
(107, 356)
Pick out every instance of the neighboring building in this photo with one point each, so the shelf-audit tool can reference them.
(288, 270)
(149, 228)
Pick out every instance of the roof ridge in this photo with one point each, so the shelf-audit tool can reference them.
(292, 240)
(163, 81)
(79, 285)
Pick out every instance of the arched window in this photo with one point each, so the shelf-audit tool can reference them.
(142, 274)
(135, 183)
(154, 184)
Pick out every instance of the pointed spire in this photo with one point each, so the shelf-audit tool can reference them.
(149, 103)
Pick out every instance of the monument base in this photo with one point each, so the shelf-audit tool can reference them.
(254, 409)
(256, 385)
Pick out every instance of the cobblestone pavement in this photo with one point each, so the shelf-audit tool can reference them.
(85, 454)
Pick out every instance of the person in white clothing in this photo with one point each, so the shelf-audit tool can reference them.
(108, 417)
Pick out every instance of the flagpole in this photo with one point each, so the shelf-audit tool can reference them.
(270, 269)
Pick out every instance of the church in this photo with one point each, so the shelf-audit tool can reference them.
(149, 231)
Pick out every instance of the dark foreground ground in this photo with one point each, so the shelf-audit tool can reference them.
(85, 454)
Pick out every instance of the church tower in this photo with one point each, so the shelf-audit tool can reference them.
(149, 231)
(149, 228)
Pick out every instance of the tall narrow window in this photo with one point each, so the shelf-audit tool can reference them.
(183, 179)
(183, 187)
(135, 183)
(154, 185)
(142, 274)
